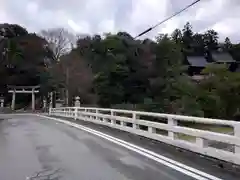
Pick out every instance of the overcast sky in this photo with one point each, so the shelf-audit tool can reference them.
(133, 16)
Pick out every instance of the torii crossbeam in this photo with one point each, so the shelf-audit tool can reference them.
(23, 90)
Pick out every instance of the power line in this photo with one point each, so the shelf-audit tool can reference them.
(175, 14)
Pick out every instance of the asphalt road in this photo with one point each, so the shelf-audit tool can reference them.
(36, 148)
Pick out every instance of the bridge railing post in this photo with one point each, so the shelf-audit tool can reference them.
(64, 112)
(75, 113)
(135, 117)
(123, 124)
(97, 113)
(113, 120)
(90, 115)
(237, 134)
(172, 122)
(81, 114)
(85, 116)
(50, 111)
(151, 130)
(200, 142)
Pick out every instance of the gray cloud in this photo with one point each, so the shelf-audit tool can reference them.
(134, 16)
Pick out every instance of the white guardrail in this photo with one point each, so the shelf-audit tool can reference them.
(176, 130)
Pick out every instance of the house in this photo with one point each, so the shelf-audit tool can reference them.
(196, 64)
(221, 57)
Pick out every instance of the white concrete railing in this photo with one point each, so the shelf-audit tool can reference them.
(170, 129)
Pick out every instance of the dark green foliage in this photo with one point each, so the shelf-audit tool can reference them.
(235, 51)
(211, 40)
(150, 75)
(220, 92)
(118, 71)
(24, 58)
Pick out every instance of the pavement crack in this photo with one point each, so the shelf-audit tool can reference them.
(46, 175)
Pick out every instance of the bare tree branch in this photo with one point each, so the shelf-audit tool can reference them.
(60, 40)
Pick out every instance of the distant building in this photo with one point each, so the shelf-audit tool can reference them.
(196, 64)
(221, 57)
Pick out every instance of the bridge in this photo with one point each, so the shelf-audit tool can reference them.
(94, 143)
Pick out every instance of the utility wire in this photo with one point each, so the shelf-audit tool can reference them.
(175, 14)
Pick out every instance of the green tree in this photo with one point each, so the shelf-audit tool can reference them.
(187, 36)
(220, 95)
(73, 74)
(150, 75)
(24, 58)
(198, 44)
(177, 36)
(235, 51)
(227, 44)
(211, 40)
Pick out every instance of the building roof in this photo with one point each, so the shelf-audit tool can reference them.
(223, 57)
(197, 61)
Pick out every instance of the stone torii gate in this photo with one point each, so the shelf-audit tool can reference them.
(23, 90)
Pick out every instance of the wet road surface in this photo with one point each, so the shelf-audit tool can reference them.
(36, 148)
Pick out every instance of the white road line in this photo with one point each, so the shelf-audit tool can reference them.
(192, 172)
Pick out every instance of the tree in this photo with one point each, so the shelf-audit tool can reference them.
(25, 59)
(211, 40)
(220, 96)
(73, 74)
(198, 44)
(227, 44)
(235, 51)
(12, 30)
(118, 67)
(112, 71)
(166, 72)
(187, 36)
(117, 70)
(60, 41)
(162, 37)
(177, 36)
(11, 54)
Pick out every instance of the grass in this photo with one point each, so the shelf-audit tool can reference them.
(212, 128)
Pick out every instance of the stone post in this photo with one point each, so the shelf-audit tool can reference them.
(33, 100)
(13, 100)
(51, 100)
(77, 101)
(44, 104)
(2, 102)
(50, 111)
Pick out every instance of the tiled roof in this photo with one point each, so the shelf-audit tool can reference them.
(222, 57)
(197, 61)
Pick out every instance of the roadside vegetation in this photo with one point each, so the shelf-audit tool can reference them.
(118, 71)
